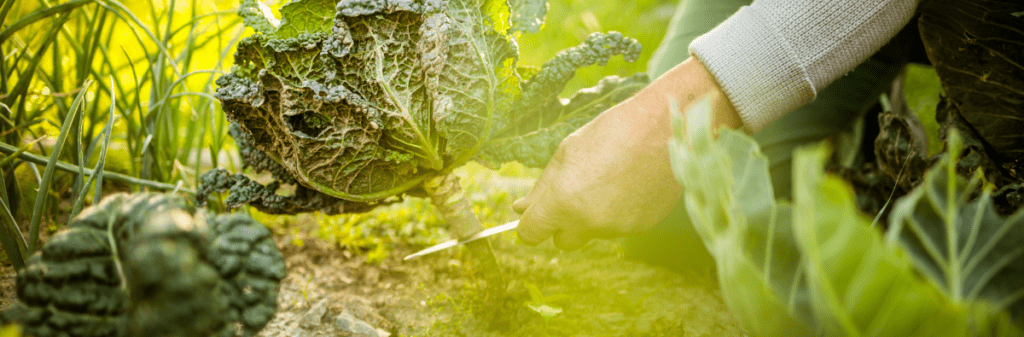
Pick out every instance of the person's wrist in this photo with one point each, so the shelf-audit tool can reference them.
(723, 112)
(687, 83)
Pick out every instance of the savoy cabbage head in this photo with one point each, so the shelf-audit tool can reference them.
(362, 100)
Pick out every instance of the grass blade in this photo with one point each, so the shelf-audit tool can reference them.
(79, 182)
(97, 175)
(4, 10)
(11, 239)
(39, 15)
(10, 157)
(106, 141)
(128, 16)
(44, 184)
(21, 87)
(32, 158)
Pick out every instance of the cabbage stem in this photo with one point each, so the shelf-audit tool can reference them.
(447, 195)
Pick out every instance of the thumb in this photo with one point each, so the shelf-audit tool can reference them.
(537, 224)
(524, 203)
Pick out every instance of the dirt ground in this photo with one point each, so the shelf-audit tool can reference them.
(598, 292)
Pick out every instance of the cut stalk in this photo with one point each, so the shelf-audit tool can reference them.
(447, 195)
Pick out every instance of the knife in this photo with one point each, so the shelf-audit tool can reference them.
(452, 243)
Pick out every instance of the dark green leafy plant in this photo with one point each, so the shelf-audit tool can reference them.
(366, 100)
(975, 48)
(817, 266)
(148, 264)
(359, 102)
(56, 51)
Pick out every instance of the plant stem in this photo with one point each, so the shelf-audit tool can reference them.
(447, 195)
(32, 158)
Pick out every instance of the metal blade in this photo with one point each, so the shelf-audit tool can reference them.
(452, 243)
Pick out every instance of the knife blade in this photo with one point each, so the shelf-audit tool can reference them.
(452, 243)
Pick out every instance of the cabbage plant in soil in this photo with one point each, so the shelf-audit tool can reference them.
(949, 264)
(361, 102)
(947, 260)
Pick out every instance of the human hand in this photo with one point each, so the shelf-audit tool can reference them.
(612, 177)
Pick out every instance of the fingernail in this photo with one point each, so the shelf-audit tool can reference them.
(520, 240)
(518, 205)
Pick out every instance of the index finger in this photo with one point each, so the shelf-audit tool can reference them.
(539, 188)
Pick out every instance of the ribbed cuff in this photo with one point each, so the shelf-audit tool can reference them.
(756, 67)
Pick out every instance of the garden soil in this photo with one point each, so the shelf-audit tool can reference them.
(598, 292)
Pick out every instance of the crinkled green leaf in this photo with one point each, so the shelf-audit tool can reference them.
(391, 94)
(531, 131)
(257, 15)
(366, 99)
(471, 100)
(816, 267)
(534, 148)
(528, 15)
(963, 245)
(150, 265)
(306, 16)
(977, 47)
(540, 93)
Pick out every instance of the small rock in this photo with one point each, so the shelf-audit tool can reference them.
(356, 327)
(296, 331)
(312, 317)
(372, 276)
(344, 278)
(359, 309)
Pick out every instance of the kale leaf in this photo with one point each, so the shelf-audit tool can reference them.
(149, 264)
(975, 47)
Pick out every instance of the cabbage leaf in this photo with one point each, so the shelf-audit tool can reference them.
(816, 266)
(364, 100)
(964, 246)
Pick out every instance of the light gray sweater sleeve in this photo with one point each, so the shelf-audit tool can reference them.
(773, 56)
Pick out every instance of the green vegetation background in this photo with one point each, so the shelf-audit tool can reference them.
(155, 62)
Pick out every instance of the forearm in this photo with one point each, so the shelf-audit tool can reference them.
(773, 56)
